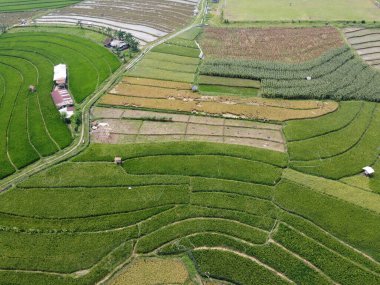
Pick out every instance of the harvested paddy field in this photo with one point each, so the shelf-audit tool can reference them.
(300, 10)
(152, 271)
(145, 20)
(367, 44)
(293, 45)
(134, 126)
(31, 127)
(173, 99)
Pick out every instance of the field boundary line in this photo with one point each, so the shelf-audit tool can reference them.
(369, 123)
(332, 131)
(177, 240)
(305, 261)
(332, 251)
(205, 218)
(363, 254)
(13, 107)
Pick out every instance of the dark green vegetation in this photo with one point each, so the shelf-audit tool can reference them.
(222, 205)
(31, 126)
(338, 74)
(25, 5)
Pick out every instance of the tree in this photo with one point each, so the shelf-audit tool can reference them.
(76, 119)
(79, 23)
(109, 31)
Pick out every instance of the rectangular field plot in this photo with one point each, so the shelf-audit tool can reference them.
(321, 10)
(366, 42)
(144, 126)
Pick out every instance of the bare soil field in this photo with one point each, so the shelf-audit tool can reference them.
(145, 126)
(366, 42)
(272, 44)
(146, 20)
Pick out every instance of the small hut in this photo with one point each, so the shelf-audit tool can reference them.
(368, 171)
(118, 160)
(32, 88)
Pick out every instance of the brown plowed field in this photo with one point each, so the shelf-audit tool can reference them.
(270, 44)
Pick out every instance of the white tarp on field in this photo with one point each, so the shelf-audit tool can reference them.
(60, 72)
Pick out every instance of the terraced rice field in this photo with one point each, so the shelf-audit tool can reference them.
(238, 212)
(172, 96)
(146, 20)
(349, 144)
(25, 5)
(292, 45)
(174, 60)
(366, 42)
(31, 127)
(133, 126)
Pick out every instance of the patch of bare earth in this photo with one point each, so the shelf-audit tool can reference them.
(146, 126)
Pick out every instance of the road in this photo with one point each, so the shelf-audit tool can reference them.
(81, 142)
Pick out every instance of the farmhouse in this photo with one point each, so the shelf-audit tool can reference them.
(116, 44)
(60, 75)
(60, 95)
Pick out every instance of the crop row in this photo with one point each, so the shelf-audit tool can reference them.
(333, 143)
(97, 272)
(98, 152)
(53, 202)
(76, 175)
(330, 263)
(338, 74)
(270, 254)
(184, 212)
(305, 129)
(350, 162)
(328, 240)
(233, 268)
(59, 252)
(359, 230)
(176, 230)
(205, 166)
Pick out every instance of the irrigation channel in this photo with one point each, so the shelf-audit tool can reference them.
(83, 140)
